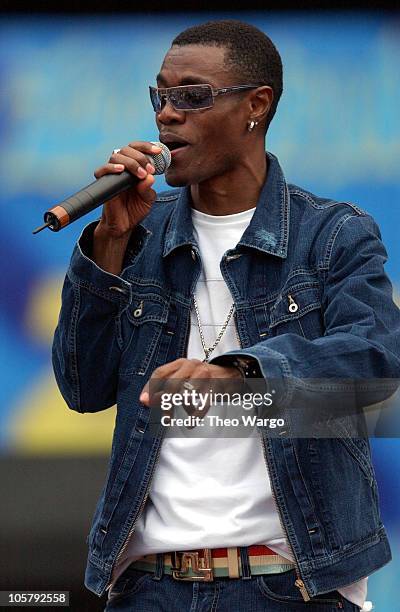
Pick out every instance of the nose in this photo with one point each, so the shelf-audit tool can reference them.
(168, 114)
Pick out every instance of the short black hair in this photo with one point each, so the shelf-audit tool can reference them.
(250, 53)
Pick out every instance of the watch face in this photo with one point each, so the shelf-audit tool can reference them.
(248, 367)
(253, 369)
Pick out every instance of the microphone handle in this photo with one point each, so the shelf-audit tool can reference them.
(89, 198)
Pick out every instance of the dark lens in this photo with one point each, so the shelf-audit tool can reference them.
(190, 97)
(176, 99)
(197, 97)
(155, 99)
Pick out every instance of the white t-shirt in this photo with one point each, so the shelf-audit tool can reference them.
(212, 492)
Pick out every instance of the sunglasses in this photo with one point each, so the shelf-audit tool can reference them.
(190, 97)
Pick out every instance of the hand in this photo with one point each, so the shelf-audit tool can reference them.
(169, 378)
(123, 212)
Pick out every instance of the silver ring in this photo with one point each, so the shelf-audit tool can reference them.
(188, 386)
(115, 151)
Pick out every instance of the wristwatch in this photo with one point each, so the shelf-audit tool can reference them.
(248, 367)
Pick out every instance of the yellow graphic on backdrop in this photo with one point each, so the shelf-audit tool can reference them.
(42, 423)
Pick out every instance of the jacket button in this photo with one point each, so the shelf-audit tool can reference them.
(293, 306)
(138, 311)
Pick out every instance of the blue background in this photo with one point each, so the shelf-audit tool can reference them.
(72, 89)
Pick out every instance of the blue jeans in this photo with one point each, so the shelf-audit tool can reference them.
(138, 591)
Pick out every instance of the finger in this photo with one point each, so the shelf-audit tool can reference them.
(145, 147)
(198, 387)
(183, 382)
(170, 380)
(140, 153)
(184, 373)
(211, 378)
(144, 189)
(133, 161)
(154, 383)
(162, 386)
(109, 169)
(171, 367)
(158, 379)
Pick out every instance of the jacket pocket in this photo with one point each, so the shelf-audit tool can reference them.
(280, 588)
(359, 450)
(141, 327)
(298, 311)
(128, 584)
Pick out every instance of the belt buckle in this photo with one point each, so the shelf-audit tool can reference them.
(184, 561)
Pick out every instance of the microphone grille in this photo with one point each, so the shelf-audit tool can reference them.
(162, 160)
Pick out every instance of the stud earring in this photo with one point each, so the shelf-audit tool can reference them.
(251, 125)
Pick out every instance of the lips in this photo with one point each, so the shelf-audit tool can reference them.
(174, 142)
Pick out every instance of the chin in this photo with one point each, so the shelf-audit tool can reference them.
(175, 180)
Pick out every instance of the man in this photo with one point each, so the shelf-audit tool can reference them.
(235, 274)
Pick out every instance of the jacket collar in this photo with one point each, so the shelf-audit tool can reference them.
(268, 230)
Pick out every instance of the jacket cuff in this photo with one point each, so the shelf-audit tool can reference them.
(83, 271)
(263, 363)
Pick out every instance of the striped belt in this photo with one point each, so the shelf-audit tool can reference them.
(205, 564)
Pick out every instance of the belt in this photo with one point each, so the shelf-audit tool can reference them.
(206, 564)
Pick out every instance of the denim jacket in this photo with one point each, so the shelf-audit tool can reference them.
(113, 331)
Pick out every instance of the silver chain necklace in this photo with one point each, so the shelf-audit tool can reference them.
(209, 349)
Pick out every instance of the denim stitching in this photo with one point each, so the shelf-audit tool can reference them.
(285, 225)
(102, 519)
(331, 241)
(244, 304)
(195, 597)
(301, 328)
(296, 315)
(316, 522)
(286, 370)
(118, 332)
(297, 288)
(149, 298)
(73, 348)
(149, 356)
(169, 198)
(133, 515)
(328, 204)
(302, 271)
(282, 503)
(100, 564)
(110, 297)
(143, 282)
(352, 548)
(304, 195)
(359, 457)
(214, 603)
(144, 364)
(181, 348)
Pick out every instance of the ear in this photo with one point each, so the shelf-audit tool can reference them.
(260, 102)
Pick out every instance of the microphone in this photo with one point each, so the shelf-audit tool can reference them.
(101, 190)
